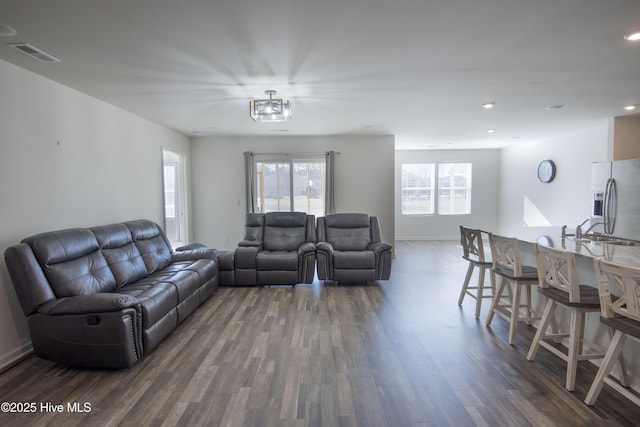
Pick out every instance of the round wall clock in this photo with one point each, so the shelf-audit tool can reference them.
(546, 171)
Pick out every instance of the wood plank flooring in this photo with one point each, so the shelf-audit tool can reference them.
(396, 353)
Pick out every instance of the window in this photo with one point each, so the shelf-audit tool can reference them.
(418, 182)
(419, 188)
(454, 188)
(290, 184)
(175, 223)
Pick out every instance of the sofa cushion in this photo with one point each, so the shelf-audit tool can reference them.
(89, 274)
(348, 231)
(63, 245)
(285, 219)
(205, 268)
(349, 239)
(121, 253)
(284, 231)
(186, 282)
(72, 262)
(112, 235)
(156, 300)
(358, 260)
(151, 243)
(126, 264)
(279, 260)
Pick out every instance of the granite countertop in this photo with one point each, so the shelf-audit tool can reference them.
(611, 251)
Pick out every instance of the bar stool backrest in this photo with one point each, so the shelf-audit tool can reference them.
(557, 269)
(619, 289)
(505, 254)
(472, 246)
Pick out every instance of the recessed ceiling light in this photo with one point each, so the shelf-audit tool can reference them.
(7, 31)
(491, 130)
(635, 36)
(488, 105)
(554, 107)
(630, 107)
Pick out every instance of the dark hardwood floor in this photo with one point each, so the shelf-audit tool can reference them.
(396, 353)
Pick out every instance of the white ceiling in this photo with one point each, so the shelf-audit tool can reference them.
(416, 69)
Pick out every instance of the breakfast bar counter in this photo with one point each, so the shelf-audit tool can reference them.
(618, 250)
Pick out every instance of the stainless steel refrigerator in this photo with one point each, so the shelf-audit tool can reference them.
(616, 198)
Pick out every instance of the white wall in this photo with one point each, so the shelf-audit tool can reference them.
(484, 200)
(68, 160)
(363, 173)
(526, 204)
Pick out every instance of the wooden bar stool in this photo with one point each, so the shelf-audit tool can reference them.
(507, 266)
(558, 278)
(473, 252)
(619, 288)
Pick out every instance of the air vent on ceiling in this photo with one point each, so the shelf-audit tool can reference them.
(33, 52)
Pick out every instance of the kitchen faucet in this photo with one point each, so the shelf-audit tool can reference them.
(580, 233)
(579, 229)
(593, 225)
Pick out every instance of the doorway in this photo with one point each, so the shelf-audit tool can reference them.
(174, 185)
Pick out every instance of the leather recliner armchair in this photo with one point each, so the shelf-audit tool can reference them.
(349, 249)
(278, 249)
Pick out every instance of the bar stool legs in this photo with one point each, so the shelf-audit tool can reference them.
(511, 310)
(480, 288)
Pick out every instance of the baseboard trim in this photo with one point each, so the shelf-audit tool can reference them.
(7, 361)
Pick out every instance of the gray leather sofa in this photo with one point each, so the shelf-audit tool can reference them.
(349, 249)
(105, 296)
(278, 249)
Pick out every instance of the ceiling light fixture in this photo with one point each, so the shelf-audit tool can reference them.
(491, 130)
(630, 107)
(488, 105)
(632, 37)
(270, 110)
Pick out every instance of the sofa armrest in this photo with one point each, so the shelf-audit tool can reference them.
(249, 243)
(191, 246)
(194, 254)
(306, 248)
(93, 303)
(324, 260)
(325, 247)
(382, 252)
(379, 247)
